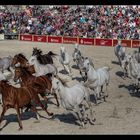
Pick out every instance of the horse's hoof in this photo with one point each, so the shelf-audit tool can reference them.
(82, 127)
(50, 114)
(20, 129)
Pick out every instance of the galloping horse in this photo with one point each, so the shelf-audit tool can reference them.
(17, 98)
(72, 99)
(43, 59)
(5, 63)
(119, 52)
(28, 79)
(65, 60)
(21, 60)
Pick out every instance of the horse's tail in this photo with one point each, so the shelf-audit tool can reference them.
(52, 54)
(107, 68)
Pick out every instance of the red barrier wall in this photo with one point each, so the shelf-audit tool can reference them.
(40, 38)
(54, 39)
(86, 41)
(103, 42)
(81, 41)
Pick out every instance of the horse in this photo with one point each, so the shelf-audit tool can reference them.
(2, 77)
(96, 79)
(79, 59)
(28, 79)
(72, 99)
(134, 68)
(136, 54)
(65, 60)
(43, 59)
(17, 98)
(119, 52)
(21, 60)
(42, 69)
(5, 63)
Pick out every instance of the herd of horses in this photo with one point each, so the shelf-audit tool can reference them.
(130, 64)
(38, 75)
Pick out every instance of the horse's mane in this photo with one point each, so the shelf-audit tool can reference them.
(39, 51)
(21, 55)
(64, 82)
(25, 70)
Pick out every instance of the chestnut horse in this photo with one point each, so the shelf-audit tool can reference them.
(17, 98)
(29, 79)
(22, 60)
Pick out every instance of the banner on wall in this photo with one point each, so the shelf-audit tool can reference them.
(26, 38)
(135, 43)
(86, 41)
(125, 43)
(103, 42)
(40, 38)
(54, 39)
(69, 40)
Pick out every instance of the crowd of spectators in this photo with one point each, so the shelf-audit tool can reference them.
(117, 22)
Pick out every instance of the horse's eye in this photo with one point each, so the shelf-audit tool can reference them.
(57, 83)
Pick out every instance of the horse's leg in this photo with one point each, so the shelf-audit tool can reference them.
(3, 112)
(79, 115)
(44, 97)
(91, 116)
(19, 119)
(55, 96)
(37, 100)
(33, 108)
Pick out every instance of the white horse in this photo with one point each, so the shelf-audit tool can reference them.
(65, 60)
(72, 99)
(96, 79)
(40, 68)
(79, 59)
(134, 70)
(119, 52)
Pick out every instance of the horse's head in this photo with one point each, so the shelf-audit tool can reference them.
(57, 83)
(76, 55)
(86, 64)
(18, 74)
(36, 52)
(14, 61)
(119, 42)
(20, 58)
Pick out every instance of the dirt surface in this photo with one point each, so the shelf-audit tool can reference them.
(119, 115)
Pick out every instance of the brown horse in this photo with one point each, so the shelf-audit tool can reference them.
(29, 79)
(17, 98)
(22, 60)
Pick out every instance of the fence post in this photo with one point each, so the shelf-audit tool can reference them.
(77, 40)
(131, 44)
(19, 37)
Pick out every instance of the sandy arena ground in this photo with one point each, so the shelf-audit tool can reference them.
(119, 115)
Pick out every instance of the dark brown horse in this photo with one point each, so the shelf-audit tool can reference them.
(29, 79)
(22, 60)
(43, 58)
(17, 98)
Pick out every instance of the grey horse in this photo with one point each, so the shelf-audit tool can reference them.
(5, 63)
(119, 52)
